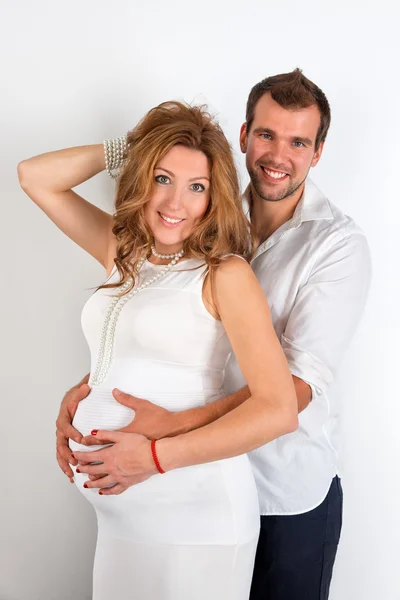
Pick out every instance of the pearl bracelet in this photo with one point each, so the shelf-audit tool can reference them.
(115, 153)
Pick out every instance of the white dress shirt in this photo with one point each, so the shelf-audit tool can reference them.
(315, 271)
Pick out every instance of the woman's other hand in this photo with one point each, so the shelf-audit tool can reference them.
(127, 462)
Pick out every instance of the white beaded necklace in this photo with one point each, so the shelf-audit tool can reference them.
(115, 306)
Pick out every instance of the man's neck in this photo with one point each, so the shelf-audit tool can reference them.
(267, 216)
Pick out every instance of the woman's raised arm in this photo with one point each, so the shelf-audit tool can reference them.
(48, 180)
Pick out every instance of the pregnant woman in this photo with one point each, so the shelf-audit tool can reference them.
(179, 296)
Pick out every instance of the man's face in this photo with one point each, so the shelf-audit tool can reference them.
(280, 148)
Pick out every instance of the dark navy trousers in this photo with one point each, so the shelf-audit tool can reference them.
(295, 554)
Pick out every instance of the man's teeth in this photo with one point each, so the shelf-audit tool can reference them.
(169, 220)
(274, 174)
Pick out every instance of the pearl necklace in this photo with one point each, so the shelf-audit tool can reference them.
(116, 304)
(177, 255)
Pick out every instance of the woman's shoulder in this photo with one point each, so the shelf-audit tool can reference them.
(234, 263)
(233, 274)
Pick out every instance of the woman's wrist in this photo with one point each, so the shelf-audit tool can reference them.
(170, 453)
(155, 456)
(114, 155)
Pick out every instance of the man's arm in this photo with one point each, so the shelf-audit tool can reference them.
(193, 418)
(155, 422)
(327, 311)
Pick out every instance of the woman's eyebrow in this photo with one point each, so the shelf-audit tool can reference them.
(173, 174)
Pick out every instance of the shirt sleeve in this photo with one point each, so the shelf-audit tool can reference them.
(327, 310)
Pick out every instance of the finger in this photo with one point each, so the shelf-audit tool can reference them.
(105, 436)
(72, 433)
(65, 428)
(82, 392)
(90, 469)
(66, 454)
(64, 450)
(65, 468)
(84, 463)
(90, 457)
(115, 490)
(96, 477)
(100, 483)
(91, 440)
(79, 395)
(126, 399)
(120, 486)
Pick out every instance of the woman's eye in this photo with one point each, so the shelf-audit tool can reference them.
(198, 187)
(162, 179)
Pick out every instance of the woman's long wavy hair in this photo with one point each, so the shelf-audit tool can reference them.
(223, 229)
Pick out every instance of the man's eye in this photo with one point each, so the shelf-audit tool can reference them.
(162, 179)
(198, 187)
(266, 136)
(298, 144)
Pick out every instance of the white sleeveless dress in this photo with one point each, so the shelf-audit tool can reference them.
(190, 533)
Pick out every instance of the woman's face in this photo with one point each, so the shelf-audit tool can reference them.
(179, 197)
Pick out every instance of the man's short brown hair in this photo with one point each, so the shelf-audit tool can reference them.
(292, 91)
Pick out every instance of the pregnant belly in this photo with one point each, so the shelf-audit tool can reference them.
(100, 410)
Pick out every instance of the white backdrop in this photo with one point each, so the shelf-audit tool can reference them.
(76, 72)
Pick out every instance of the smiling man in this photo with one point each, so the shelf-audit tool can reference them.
(314, 266)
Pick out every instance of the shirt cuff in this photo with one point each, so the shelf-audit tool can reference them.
(306, 366)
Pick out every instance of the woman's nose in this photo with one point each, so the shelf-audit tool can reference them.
(175, 199)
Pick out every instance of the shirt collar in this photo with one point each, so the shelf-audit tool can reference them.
(313, 206)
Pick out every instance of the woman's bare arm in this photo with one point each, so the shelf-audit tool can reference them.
(48, 180)
(271, 410)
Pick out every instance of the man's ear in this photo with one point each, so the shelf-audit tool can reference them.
(243, 138)
(317, 155)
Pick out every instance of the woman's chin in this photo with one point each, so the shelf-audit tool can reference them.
(168, 244)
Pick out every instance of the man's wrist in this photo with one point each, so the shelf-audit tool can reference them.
(186, 420)
(177, 423)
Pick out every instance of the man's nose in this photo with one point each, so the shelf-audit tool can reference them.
(278, 153)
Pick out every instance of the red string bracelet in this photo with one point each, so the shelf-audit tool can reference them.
(155, 458)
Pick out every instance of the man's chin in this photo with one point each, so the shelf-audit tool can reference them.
(272, 195)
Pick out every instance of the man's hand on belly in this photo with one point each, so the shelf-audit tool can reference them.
(150, 420)
(65, 431)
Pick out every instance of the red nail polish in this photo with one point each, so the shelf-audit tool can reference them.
(77, 470)
(94, 432)
(85, 485)
(101, 494)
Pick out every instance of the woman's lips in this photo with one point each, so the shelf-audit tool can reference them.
(170, 222)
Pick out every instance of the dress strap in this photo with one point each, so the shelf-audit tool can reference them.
(237, 256)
